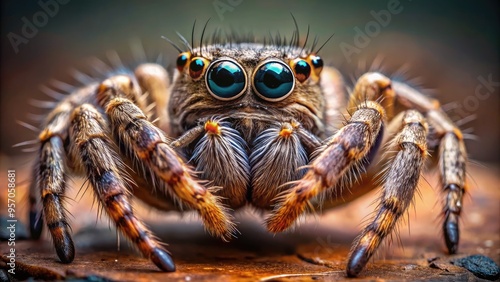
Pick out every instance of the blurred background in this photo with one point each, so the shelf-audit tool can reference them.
(452, 48)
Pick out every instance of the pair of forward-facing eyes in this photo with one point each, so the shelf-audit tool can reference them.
(273, 80)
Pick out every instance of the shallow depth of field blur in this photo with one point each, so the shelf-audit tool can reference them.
(450, 47)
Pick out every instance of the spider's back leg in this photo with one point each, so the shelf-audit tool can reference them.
(50, 171)
(51, 180)
(452, 156)
(398, 190)
(155, 82)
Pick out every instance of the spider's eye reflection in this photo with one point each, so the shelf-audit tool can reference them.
(225, 80)
(273, 81)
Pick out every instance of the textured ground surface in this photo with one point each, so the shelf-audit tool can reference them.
(317, 250)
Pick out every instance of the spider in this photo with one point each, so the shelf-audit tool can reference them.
(241, 123)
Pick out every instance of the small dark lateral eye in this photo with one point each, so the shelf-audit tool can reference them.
(182, 60)
(302, 70)
(317, 62)
(196, 67)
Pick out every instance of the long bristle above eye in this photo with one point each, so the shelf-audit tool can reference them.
(202, 35)
(172, 43)
(192, 34)
(321, 47)
(185, 42)
(290, 46)
(305, 42)
(296, 33)
(315, 42)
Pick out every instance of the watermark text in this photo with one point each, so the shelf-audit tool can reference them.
(49, 9)
(11, 220)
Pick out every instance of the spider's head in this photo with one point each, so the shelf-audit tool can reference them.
(273, 71)
(247, 81)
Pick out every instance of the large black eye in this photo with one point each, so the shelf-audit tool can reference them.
(225, 80)
(273, 81)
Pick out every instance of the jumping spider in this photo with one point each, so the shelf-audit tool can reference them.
(265, 125)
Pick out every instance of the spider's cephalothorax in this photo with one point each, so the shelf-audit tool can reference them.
(247, 83)
(244, 101)
(264, 125)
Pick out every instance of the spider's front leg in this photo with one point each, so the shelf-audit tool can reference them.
(93, 149)
(346, 149)
(148, 146)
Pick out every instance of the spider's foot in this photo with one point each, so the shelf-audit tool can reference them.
(163, 260)
(357, 261)
(64, 247)
(293, 204)
(452, 214)
(451, 234)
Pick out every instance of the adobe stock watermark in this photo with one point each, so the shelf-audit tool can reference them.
(223, 6)
(471, 103)
(363, 37)
(49, 9)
